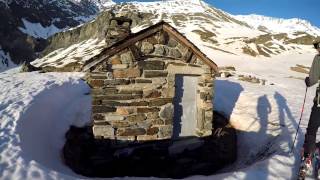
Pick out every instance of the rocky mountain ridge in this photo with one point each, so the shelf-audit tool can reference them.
(25, 25)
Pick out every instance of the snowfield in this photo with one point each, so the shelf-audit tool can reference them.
(36, 110)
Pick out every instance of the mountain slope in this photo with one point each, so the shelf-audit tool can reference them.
(279, 25)
(25, 25)
(215, 32)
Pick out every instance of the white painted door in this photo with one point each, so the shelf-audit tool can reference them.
(185, 106)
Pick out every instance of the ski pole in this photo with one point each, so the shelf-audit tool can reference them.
(304, 101)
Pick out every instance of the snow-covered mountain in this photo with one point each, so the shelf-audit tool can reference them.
(279, 25)
(25, 25)
(213, 30)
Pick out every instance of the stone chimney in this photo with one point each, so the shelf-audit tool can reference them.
(119, 28)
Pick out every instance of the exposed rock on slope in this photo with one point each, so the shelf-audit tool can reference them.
(26, 24)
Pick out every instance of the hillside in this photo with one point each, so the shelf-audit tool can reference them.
(214, 31)
(25, 25)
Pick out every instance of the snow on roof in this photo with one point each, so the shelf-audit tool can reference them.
(80, 52)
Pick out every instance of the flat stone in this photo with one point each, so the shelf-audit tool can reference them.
(159, 50)
(186, 55)
(143, 81)
(175, 53)
(172, 42)
(96, 83)
(163, 37)
(110, 103)
(147, 48)
(98, 117)
(126, 138)
(130, 91)
(166, 112)
(124, 111)
(144, 124)
(117, 103)
(138, 103)
(126, 58)
(152, 115)
(200, 119)
(98, 76)
(130, 132)
(103, 109)
(151, 74)
(147, 110)
(105, 131)
(136, 118)
(115, 59)
(158, 122)
(152, 40)
(152, 94)
(101, 123)
(96, 102)
(146, 137)
(104, 91)
(120, 96)
(114, 118)
(172, 69)
(208, 125)
(182, 48)
(177, 64)
(151, 65)
(160, 101)
(113, 82)
(165, 132)
(152, 131)
(120, 124)
(119, 66)
(168, 121)
(168, 92)
(127, 73)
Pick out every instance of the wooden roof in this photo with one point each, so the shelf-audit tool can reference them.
(133, 38)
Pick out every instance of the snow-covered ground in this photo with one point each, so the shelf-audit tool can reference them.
(37, 109)
(35, 112)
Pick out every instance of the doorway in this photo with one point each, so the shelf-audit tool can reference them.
(185, 108)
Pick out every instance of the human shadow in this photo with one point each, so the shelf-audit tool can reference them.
(226, 95)
(263, 110)
(284, 111)
(267, 143)
(282, 142)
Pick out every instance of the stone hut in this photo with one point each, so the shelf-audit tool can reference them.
(151, 85)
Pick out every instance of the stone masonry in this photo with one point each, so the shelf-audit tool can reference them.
(133, 90)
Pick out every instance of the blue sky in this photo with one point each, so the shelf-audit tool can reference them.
(303, 9)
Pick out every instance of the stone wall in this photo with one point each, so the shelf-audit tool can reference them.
(133, 91)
